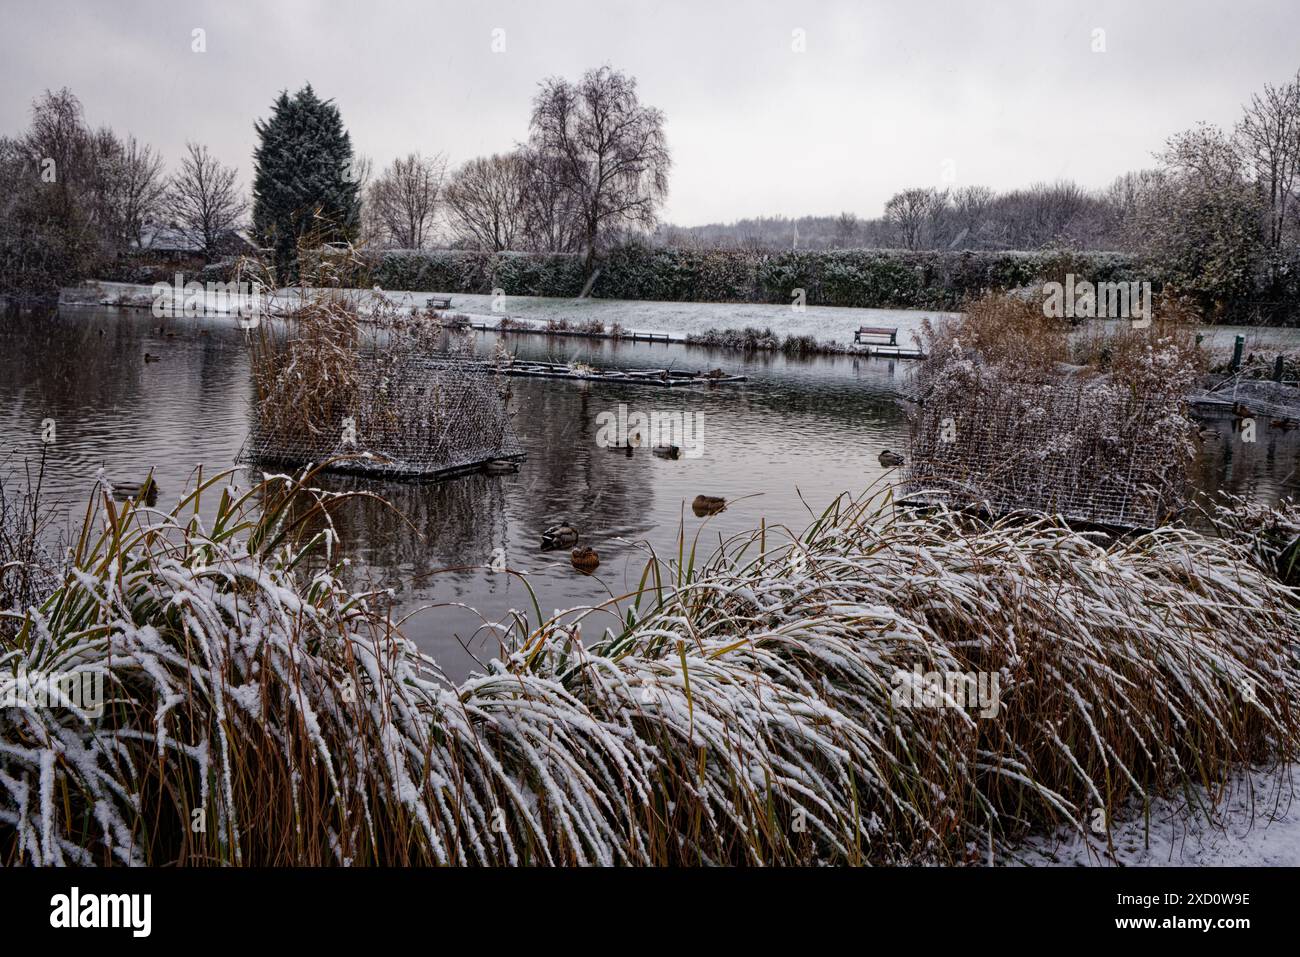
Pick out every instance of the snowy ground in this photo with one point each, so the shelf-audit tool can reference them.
(1257, 824)
(825, 323)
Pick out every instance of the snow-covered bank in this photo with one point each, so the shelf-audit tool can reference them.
(1257, 824)
(824, 323)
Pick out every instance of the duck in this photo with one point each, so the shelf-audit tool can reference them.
(151, 358)
(890, 459)
(708, 505)
(1286, 425)
(585, 559)
(562, 535)
(146, 491)
(668, 451)
(501, 467)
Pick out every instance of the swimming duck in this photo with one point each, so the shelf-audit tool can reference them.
(585, 559)
(151, 358)
(562, 535)
(146, 491)
(1286, 425)
(890, 459)
(668, 451)
(708, 505)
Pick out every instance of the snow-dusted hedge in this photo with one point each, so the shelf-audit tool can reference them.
(884, 278)
(863, 277)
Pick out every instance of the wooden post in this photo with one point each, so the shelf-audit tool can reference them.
(1236, 352)
(1277, 368)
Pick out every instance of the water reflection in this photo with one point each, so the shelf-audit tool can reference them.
(800, 430)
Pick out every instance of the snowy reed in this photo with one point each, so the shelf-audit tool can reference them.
(745, 711)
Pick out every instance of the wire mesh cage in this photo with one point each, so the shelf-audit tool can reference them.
(398, 414)
(1081, 447)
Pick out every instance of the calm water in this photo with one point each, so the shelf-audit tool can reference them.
(798, 431)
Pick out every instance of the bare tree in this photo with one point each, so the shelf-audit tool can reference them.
(553, 219)
(913, 214)
(1269, 135)
(486, 201)
(969, 210)
(404, 200)
(136, 190)
(608, 150)
(205, 198)
(53, 217)
(846, 230)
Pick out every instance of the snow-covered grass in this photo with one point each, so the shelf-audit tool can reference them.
(825, 323)
(742, 708)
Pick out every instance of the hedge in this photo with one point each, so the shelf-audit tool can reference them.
(858, 277)
(878, 278)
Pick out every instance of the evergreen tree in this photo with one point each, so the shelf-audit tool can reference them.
(303, 184)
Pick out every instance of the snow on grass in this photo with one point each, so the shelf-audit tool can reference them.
(825, 323)
(746, 711)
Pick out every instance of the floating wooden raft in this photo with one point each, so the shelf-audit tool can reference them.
(669, 377)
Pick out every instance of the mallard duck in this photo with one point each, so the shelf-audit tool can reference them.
(151, 358)
(562, 535)
(585, 559)
(708, 505)
(146, 491)
(890, 459)
(501, 467)
(668, 451)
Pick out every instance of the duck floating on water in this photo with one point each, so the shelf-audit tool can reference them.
(1286, 425)
(151, 358)
(890, 459)
(585, 559)
(146, 491)
(562, 535)
(668, 451)
(708, 505)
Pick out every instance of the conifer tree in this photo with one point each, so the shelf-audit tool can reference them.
(303, 184)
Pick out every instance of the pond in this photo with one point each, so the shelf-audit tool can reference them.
(780, 447)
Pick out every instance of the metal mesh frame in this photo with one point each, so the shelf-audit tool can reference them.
(1082, 448)
(1257, 396)
(414, 416)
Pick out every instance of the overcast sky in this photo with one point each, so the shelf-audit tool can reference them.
(885, 95)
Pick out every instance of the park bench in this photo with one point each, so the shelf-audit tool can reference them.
(880, 334)
(439, 302)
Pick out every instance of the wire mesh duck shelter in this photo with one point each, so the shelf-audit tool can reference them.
(1082, 447)
(383, 402)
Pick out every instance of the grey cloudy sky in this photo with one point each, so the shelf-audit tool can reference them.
(886, 95)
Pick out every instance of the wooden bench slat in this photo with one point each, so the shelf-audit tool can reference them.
(890, 332)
